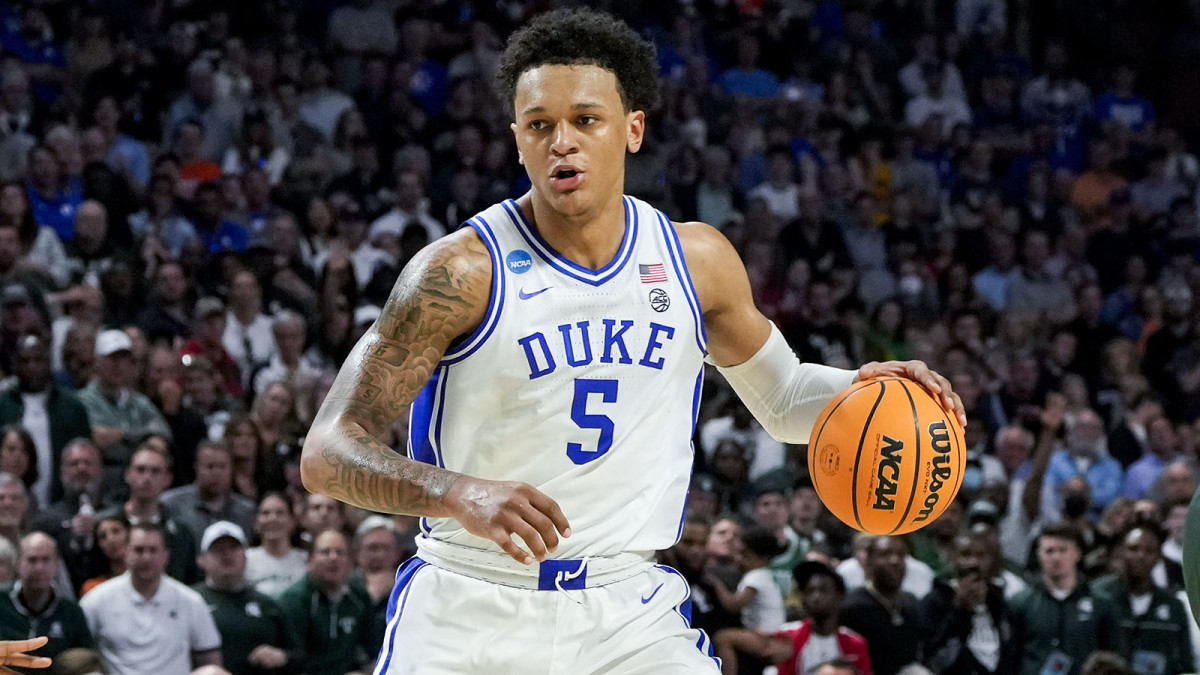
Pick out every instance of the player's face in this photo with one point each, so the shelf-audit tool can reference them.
(572, 132)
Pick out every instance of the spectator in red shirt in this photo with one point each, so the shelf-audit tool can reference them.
(207, 335)
(804, 647)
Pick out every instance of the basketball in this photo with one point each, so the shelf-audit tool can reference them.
(886, 457)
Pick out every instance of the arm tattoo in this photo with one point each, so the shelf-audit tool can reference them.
(441, 295)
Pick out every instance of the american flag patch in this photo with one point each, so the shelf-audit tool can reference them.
(653, 274)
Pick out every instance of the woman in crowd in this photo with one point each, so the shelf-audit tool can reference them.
(112, 537)
(274, 564)
(18, 454)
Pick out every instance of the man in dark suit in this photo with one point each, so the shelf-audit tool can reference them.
(52, 415)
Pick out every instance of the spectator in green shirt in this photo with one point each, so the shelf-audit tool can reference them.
(255, 637)
(332, 618)
(1058, 621)
(31, 607)
(120, 415)
(1153, 620)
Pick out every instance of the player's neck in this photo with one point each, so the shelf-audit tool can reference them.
(590, 239)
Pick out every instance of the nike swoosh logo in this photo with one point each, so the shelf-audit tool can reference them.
(656, 590)
(525, 296)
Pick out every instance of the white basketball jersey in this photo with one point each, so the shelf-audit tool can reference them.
(583, 383)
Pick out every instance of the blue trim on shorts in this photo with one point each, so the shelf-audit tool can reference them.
(684, 610)
(404, 577)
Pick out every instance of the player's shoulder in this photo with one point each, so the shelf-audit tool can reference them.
(706, 250)
(462, 249)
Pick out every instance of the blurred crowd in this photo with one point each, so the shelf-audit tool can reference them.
(203, 205)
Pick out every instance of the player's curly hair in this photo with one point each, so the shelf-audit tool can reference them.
(583, 37)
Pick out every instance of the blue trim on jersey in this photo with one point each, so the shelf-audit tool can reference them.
(404, 577)
(684, 610)
(568, 267)
(420, 419)
(685, 279)
(691, 444)
(443, 379)
(473, 342)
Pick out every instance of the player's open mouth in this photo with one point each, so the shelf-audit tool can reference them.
(566, 178)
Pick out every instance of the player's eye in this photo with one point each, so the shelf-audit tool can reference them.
(588, 120)
(538, 125)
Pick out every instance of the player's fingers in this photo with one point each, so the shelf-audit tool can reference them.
(960, 410)
(531, 538)
(26, 661)
(10, 647)
(921, 373)
(543, 525)
(504, 540)
(548, 506)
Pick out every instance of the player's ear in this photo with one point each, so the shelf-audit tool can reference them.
(637, 130)
(520, 157)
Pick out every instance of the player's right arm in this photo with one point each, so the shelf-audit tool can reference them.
(441, 295)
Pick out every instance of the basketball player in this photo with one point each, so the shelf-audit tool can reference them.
(551, 353)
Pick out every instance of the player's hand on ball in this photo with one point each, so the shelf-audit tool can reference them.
(922, 374)
(12, 653)
(497, 510)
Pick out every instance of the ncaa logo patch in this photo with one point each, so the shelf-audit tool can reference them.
(519, 261)
(659, 300)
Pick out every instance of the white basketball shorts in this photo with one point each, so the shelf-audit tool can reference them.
(443, 622)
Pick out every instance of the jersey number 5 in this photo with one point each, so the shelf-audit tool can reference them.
(608, 394)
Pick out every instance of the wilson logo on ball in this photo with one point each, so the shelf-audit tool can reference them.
(886, 456)
(888, 473)
(941, 472)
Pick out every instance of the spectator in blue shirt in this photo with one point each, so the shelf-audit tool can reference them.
(217, 233)
(34, 45)
(53, 198)
(126, 155)
(1163, 443)
(1122, 105)
(1085, 455)
(746, 78)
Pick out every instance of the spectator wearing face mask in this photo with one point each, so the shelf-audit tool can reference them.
(1085, 454)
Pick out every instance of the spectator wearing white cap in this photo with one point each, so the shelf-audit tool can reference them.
(120, 415)
(254, 633)
(146, 622)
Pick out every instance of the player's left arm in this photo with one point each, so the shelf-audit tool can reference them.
(785, 395)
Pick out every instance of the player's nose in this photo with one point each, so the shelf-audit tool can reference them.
(565, 140)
